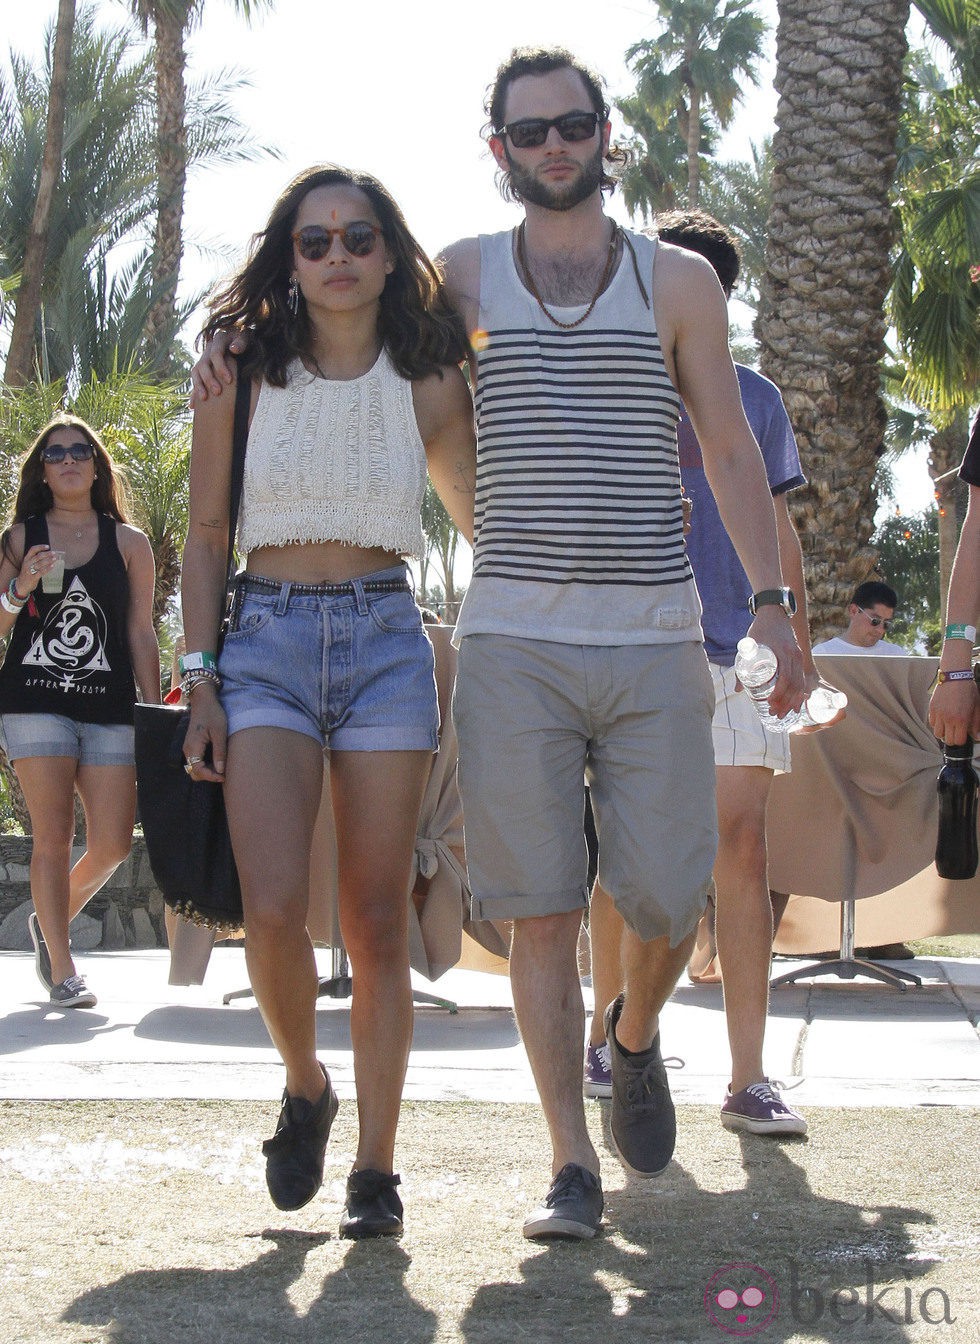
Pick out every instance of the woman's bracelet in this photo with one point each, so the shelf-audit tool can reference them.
(197, 662)
(11, 600)
(962, 632)
(197, 678)
(959, 674)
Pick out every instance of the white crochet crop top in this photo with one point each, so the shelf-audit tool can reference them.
(335, 461)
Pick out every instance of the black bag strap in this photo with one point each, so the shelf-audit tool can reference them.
(239, 436)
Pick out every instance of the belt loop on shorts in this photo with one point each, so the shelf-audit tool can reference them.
(362, 606)
(283, 602)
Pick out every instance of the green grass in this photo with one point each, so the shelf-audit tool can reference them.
(948, 945)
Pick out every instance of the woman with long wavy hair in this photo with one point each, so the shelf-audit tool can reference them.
(76, 599)
(356, 391)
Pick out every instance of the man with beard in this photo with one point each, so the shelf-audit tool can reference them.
(580, 642)
(581, 651)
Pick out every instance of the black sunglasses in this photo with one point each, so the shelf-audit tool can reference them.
(533, 131)
(358, 238)
(57, 452)
(875, 620)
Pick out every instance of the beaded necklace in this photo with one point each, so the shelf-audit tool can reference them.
(529, 279)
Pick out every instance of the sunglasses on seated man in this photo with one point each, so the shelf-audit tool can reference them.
(57, 452)
(358, 238)
(876, 620)
(530, 132)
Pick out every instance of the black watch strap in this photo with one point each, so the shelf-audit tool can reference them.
(774, 597)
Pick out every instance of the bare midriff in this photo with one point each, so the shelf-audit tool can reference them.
(319, 562)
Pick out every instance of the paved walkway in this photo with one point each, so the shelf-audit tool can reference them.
(847, 1043)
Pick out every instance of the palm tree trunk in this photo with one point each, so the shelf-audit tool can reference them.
(170, 60)
(821, 325)
(20, 356)
(693, 149)
(946, 448)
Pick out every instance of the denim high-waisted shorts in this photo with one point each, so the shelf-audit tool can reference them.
(348, 664)
(24, 735)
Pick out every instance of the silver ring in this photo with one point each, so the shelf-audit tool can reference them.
(188, 768)
(32, 568)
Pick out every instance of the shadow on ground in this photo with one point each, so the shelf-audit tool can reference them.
(148, 1223)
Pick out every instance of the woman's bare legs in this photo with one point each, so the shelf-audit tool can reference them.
(273, 782)
(108, 794)
(376, 801)
(48, 785)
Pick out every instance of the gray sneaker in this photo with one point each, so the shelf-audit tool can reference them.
(73, 993)
(42, 962)
(572, 1208)
(642, 1124)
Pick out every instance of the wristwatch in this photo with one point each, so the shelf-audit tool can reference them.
(774, 597)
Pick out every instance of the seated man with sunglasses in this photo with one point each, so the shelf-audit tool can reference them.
(870, 612)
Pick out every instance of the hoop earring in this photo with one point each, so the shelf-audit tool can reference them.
(292, 298)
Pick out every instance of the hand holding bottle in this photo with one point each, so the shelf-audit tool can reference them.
(756, 669)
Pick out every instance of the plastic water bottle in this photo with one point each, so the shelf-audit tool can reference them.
(756, 669)
(956, 845)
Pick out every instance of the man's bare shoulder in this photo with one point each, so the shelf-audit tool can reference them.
(462, 254)
(677, 269)
(460, 265)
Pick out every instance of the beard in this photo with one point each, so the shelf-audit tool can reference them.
(527, 187)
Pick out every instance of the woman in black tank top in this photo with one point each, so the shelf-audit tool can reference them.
(76, 600)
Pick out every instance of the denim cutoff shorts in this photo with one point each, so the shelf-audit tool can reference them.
(349, 666)
(24, 735)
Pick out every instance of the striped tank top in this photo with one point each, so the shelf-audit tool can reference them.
(579, 530)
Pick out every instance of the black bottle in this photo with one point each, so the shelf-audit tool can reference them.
(956, 845)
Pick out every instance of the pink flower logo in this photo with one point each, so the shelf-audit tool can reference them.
(741, 1299)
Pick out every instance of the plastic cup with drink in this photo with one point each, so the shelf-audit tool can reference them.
(53, 579)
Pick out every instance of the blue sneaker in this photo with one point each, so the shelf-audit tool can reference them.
(73, 993)
(760, 1109)
(572, 1209)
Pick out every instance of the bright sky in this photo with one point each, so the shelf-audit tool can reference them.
(387, 86)
(396, 89)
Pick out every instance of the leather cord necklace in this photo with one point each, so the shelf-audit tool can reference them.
(529, 279)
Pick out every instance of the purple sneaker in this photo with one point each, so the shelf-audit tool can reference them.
(598, 1071)
(760, 1109)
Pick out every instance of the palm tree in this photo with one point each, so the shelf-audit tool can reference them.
(739, 192)
(822, 326)
(655, 175)
(692, 74)
(96, 307)
(104, 195)
(441, 544)
(935, 297)
(171, 21)
(20, 354)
